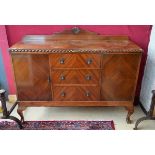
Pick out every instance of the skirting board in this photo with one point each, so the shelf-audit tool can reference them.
(12, 98)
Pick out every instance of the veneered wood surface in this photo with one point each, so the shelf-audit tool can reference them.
(68, 58)
(83, 40)
(31, 74)
(75, 60)
(75, 76)
(74, 103)
(119, 76)
(75, 93)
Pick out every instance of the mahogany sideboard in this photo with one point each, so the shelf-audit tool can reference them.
(75, 68)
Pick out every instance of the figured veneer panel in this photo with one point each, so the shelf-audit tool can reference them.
(62, 60)
(112, 61)
(31, 75)
(82, 76)
(73, 93)
(119, 76)
(75, 60)
(88, 61)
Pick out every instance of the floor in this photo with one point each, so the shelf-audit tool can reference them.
(117, 114)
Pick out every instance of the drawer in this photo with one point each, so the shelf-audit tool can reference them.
(62, 60)
(83, 76)
(75, 60)
(70, 93)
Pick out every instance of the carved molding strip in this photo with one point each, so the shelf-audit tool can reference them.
(73, 51)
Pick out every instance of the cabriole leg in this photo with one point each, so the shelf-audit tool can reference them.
(130, 112)
(20, 112)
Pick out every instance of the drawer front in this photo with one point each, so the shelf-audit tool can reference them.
(88, 61)
(62, 60)
(70, 93)
(84, 76)
(75, 60)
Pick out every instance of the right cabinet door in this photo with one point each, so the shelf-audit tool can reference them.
(119, 76)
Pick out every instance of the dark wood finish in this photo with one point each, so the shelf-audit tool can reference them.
(73, 76)
(76, 68)
(67, 41)
(25, 104)
(32, 77)
(75, 93)
(20, 112)
(119, 74)
(75, 60)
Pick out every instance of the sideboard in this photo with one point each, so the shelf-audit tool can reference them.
(75, 68)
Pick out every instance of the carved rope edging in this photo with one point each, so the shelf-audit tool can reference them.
(72, 50)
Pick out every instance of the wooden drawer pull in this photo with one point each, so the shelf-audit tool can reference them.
(89, 61)
(88, 77)
(88, 93)
(63, 94)
(62, 61)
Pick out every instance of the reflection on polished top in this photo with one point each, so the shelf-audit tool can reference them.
(70, 40)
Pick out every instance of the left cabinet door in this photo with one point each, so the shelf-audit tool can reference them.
(32, 77)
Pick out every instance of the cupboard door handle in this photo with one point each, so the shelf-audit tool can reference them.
(89, 61)
(62, 61)
(88, 93)
(62, 77)
(88, 77)
(63, 94)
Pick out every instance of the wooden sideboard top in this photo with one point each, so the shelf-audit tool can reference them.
(74, 40)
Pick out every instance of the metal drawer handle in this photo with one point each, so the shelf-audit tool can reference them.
(49, 79)
(62, 61)
(89, 61)
(88, 93)
(88, 77)
(63, 94)
(62, 77)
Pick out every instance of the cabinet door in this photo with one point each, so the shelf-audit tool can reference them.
(119, 76)
(31, 74)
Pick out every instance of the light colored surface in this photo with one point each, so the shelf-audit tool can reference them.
(148, 82)
(117, 114)
(12, 98)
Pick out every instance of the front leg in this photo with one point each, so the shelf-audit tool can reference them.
(3, 102)
(20, 112)
(130, 112)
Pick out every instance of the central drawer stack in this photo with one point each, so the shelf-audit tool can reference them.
(75, 77)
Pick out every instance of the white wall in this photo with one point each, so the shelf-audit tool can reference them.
(148, 82)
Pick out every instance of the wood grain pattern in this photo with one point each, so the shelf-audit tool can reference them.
(75, 60)
(74, 76)
(67, 40)
(72, 93)
(119, 76)
(74, 103)
(31, 74)
(85, 69)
